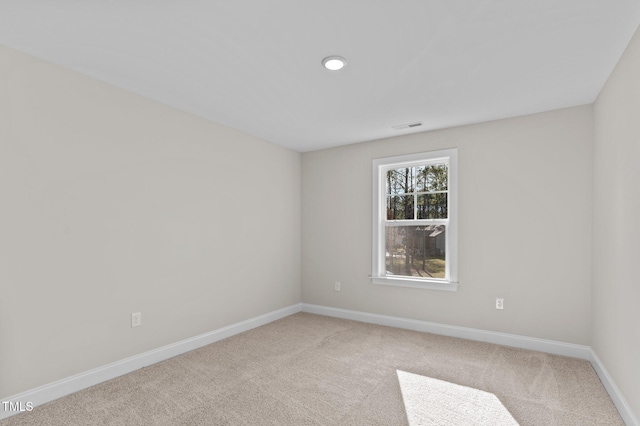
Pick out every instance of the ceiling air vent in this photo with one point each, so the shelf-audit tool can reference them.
(407, 126)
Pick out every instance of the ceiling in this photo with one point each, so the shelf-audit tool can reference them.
(256, 65)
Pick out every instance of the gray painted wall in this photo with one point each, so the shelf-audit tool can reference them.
(113, 204)
(616, 225)
(524, 226)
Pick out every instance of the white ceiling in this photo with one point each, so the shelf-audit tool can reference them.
(256, 65)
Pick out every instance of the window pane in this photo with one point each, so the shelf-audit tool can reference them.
(401, 181)
(399, 207)
(431, 178)
(432, 206)
(416, 251)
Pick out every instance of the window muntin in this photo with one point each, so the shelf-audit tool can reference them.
(418, 192)
(415, 221)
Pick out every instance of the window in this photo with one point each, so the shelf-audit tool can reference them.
(414, 220)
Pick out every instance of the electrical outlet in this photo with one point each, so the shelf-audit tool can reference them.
(136, 319)
(499, 303)
(337, 285)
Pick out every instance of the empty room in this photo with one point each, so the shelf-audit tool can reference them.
(320, 213)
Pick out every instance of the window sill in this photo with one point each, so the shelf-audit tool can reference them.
(408, 282)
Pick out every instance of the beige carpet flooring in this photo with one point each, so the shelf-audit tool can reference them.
(314, 370)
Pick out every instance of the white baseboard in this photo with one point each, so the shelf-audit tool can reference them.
(618, 399)
(52, 391)
(60, 388)
(523, 342)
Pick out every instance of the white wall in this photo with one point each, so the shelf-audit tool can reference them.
(616, 225)
(111, 204)
(525, 227)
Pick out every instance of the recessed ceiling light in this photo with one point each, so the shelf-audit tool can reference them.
(334, 63)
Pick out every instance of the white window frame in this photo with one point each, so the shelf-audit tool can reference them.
(378, 261)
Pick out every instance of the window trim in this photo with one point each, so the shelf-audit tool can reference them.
(380, 166)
